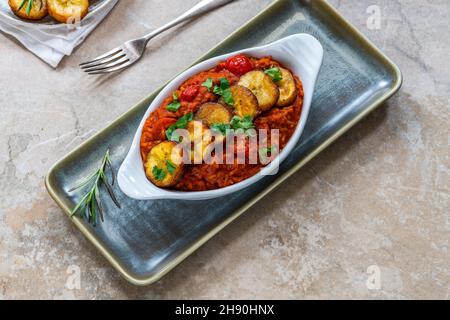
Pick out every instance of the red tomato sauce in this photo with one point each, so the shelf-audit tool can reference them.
(192, 95)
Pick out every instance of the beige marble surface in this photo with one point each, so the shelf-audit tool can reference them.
(379, 196)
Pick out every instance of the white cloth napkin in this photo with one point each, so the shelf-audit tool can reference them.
(51, 42)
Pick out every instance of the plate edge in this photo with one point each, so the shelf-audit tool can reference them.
(149, 280)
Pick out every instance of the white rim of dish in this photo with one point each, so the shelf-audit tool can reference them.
(209, 194)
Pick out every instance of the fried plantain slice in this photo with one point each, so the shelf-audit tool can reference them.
(68, 11)
(262, 86)
(164, 165)
(211, 113)
(29, 9)
(200, 137)
(288, 89)
(245, 102)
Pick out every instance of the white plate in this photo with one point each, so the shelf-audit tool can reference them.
(302, 53)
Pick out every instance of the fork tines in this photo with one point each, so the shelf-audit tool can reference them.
(111, 61)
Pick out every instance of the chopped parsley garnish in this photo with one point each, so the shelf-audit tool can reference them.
(224, 84)
(221, 127)
(267, 152)
(244, 123)
(171, 167)
(175, 105)
(208, 84)
(228, 97)
(223, 89)
(158, 173)
(180, 124)
(275, 74)
(237, 123)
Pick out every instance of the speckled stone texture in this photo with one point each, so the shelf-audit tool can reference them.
(379, 196)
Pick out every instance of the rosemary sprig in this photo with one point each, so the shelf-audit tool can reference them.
(90, 206)
(29, 6)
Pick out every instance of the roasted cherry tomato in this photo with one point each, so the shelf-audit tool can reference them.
(239, 65)
(190, 93)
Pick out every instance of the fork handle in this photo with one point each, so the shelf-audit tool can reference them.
(200, 8)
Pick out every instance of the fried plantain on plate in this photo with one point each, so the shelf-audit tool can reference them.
(68, 11)
(29, 9)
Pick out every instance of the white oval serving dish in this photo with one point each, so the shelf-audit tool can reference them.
(302, 53)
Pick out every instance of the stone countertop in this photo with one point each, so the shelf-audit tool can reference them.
(378, 197)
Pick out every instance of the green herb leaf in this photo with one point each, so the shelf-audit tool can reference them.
(89, 206)
(85, 181)
(237, 123)
(99, 204)
(267, 152)
(171, 167)
(208, 84)
(224, 84)
(228, 97)
(174, 136)
(175, 104)
(110, 190)
(158, 173)
(29, 7)
(184, 120)
(223, 89)
(80, 204)
(22, 4)
(244, 123)
(180, 124)
(221, 127)
(275, 74)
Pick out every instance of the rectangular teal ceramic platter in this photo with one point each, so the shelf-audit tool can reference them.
(146, 239)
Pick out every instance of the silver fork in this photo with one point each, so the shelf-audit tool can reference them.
(130, 52)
